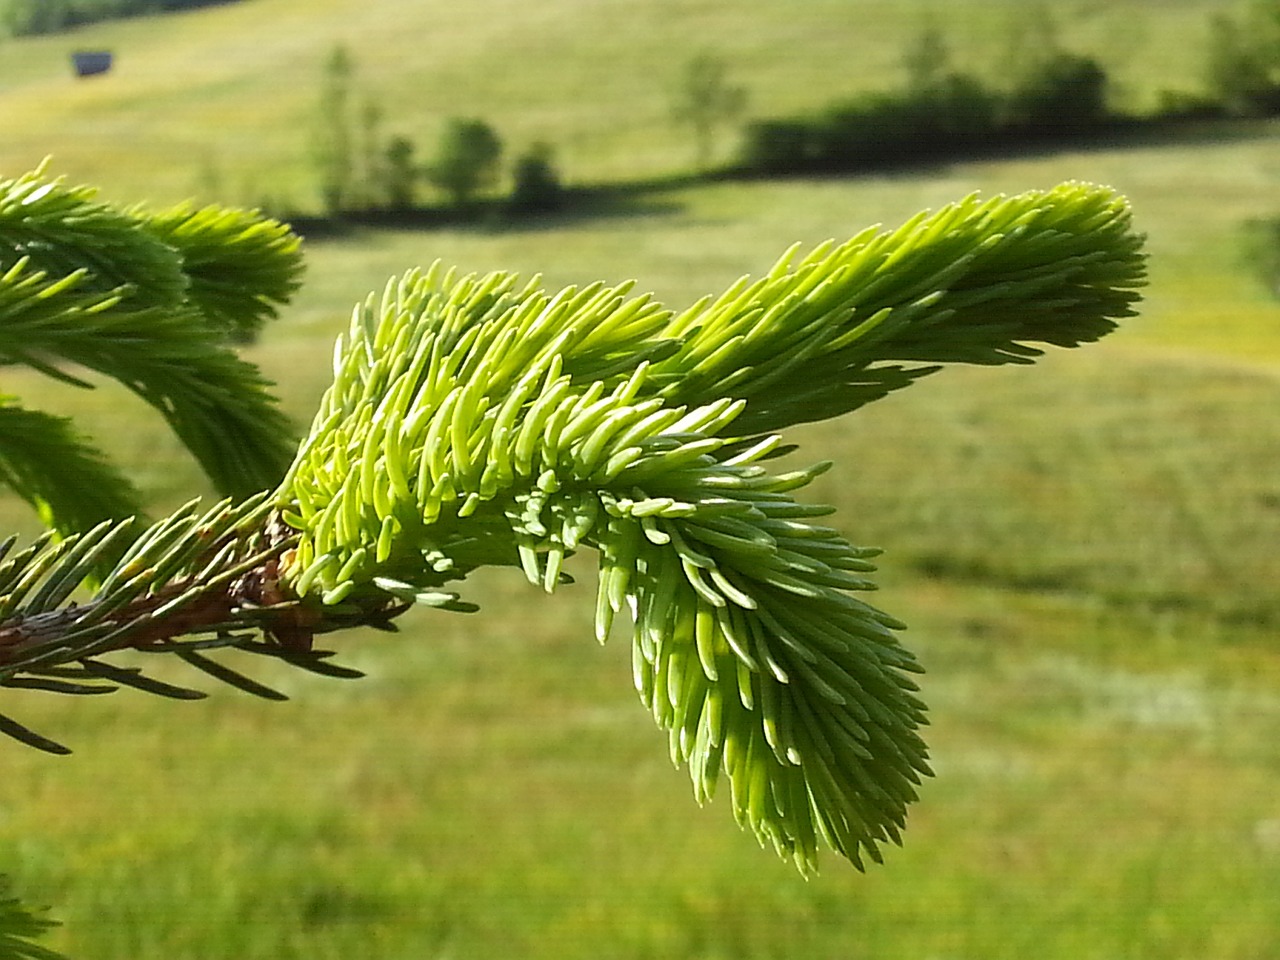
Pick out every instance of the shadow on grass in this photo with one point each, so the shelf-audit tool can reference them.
(1228, 611)
(657, 197)
(937, 158)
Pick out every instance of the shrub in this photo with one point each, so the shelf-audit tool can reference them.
(775, 147)
(333, 146)
(1066, 93)
(466, 160)
(25, 17)
(536, 185)
(1177, 105)
(1262, 252)
(939, 111)
(706, 101)
(1243, 61)
(399, 174)
(955, 112)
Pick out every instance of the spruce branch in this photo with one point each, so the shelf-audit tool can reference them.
(193, 582)
(979, 281)
(480, 420)
(239, 265)
(63, 230)
(149, 300)
(20, 926)
(83, 491)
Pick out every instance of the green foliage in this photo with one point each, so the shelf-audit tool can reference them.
(35, 16)
(358, 169)
(1064, 93)
(1243, 61)
(779, 147)
(192, 573)
(1261, 250)
(479, 421)
(938, 113)
(466, 159)
(954, 113)
(51, 16)
(333, 148)
(535, 181)
(19, 926)
(239, 266)
(148, 300)
(926, 59)
(706, 101)
(50, 466)
(976, 282)
(373, 152)
(1032, 41)
(399, 173)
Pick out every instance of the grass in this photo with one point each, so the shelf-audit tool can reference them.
(1084, 551)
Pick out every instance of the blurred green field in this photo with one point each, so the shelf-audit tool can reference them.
(224, 97)
(1085, 549)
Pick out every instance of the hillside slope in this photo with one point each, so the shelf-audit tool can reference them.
(221, 99)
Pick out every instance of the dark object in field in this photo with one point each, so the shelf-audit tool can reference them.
(91, 62)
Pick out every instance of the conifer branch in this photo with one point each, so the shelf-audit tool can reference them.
(86, 489)
(19, 925)
(475, 421)
(239, 266)
(979, 282)
(150, 300)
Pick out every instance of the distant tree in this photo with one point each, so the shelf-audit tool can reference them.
(333, 148)
(347, 143)
(399, 173)
(940, 108)
(1067, 92)
(1263, 19)
(187, 4)
(1243, 59)
(370, 179)
(706, 101)
(466, 160)
(1233, 73)
(536, 183)
(1262, 252)
(21, 17)
(1032, 42)
(926, 60)
(1048, 87)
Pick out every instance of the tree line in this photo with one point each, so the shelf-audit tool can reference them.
(361, 169)
(1048, 93)
(29, 17)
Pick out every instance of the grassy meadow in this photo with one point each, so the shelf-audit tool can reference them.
(1086, 549)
